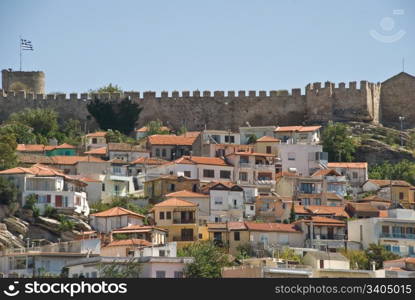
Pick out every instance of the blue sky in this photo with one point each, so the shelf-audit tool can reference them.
(207, 45)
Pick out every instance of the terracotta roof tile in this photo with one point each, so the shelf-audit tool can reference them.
(276, 227)
(297, 128)
(165, 139)
(194, 160)
(97, 151)
(351, 165)
(322, 221)
(33, 148)
(236, 226)
(326, 172)
(175, 202)
(136, 228)
(72, 160)
(246, 153)
(130, 242)
(268, 139)
(387, 182)
(65, 146)
(186, 194)
(116, 211)
(148, 161)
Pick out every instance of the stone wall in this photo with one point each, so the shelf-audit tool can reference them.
(28, 81)
(228, 110)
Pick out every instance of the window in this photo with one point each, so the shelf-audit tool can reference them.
(178, 274)
(94, 141)
(116, 170)
(161, 215)
(162, 253)
(318, 201)
(168, 215)
(229, 139)
(103, 187)
(172, 187)
(291, 156)
(354, 175)
(208, 173)
(243, 176)
(237, 236)
(244, 160)
(385, 229)
(400, 195)
(157, 152)
(218, 200)
(321, 264)
(160, 274)
(269, 149)
(78, 201)
(188, 174)
(251, 207)
(225, 174)
(163, 153)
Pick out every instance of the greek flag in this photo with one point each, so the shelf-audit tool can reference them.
(26, 45)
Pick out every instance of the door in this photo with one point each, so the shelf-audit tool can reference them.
(330, 234)
(58, 201)
(187, 234)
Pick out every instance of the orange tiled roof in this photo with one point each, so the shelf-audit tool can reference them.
(205, 189)
(97, 151)
(325, 172)
(246, 153)
(116, 211)
(267, 139)
(236, 226)
(33, 148)
(276, 227)
(130, 242)
(65, 146)
(72, 160)
(194, 160)
(165, 139)
(97, 134)
(351, 165)
(322, 221)
(387, 182)
(145, 129)
(37, 169)
(337, 211)
(174, 202)
(285, 173)
(186, 194)
(136, 227)
(374, 198)
(297, 128)
(148, 161)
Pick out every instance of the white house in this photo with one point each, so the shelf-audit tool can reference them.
(126, 152)
(396, 231)
(114, 218)
(326, 260)
(202, 201)
(298, 134)
(355, 172)
(256, 131)
(50, 187)
(271, 235)
(220, 137)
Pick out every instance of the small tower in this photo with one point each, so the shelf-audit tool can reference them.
(33, 82)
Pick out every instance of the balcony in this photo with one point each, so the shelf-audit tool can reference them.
(257, 166)
(184, 221)
(407, 236)
(184, 238)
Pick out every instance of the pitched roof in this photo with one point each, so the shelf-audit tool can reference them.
(125, 147)
(33, 147)
(97, 134)
(186, 194)
(350, 165)
(326, 172)
(236, 226)
(165, 139)
(322, 221)
(362, 207)
(65, 146)
(138, 228)
(246, 153)
(194, 160)
(374, 198)
(387, 182)
(72, 160)
(285, 174)
(297, 128)
(97, 151)
(148, 161)
(116, 211)
(276, 227)
(267, 139)
(145, 129)
(206, 188)
(337, 211)
(174, 202)
(130, 242)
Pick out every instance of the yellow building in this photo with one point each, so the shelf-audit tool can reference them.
(157, 188)
(180, 218)
(267, 144)
(392, 190)
(230, 235)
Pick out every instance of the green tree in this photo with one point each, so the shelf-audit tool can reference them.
(109, 88)
(252, 139)
(378, 254)
(208, 260)
(129, 269)
(72, 132)
(402, 170)
(120, 115)
(289, 255)
(23, 133)
(8, 156)
(8, 192)
(293, 216)
(114, 136)
(337, 140)
(358, 259)
(44, 121)
(155, 127)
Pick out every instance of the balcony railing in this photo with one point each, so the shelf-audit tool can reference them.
(184, 221)
(257, 166)
(184, 238)
(337, 237)
(407, 236)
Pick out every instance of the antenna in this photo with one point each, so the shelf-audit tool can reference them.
(403, 64)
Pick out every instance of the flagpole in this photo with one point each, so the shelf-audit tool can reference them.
(20, 47)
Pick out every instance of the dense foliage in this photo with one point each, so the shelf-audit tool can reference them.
(337, 140)
(8, 157)
(362, 260)
(130, 269)
(208, 260)
(155, 127)
(8, 192)
(403, 170)
(121, 116)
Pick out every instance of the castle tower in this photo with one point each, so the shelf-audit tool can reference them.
(33, 82)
